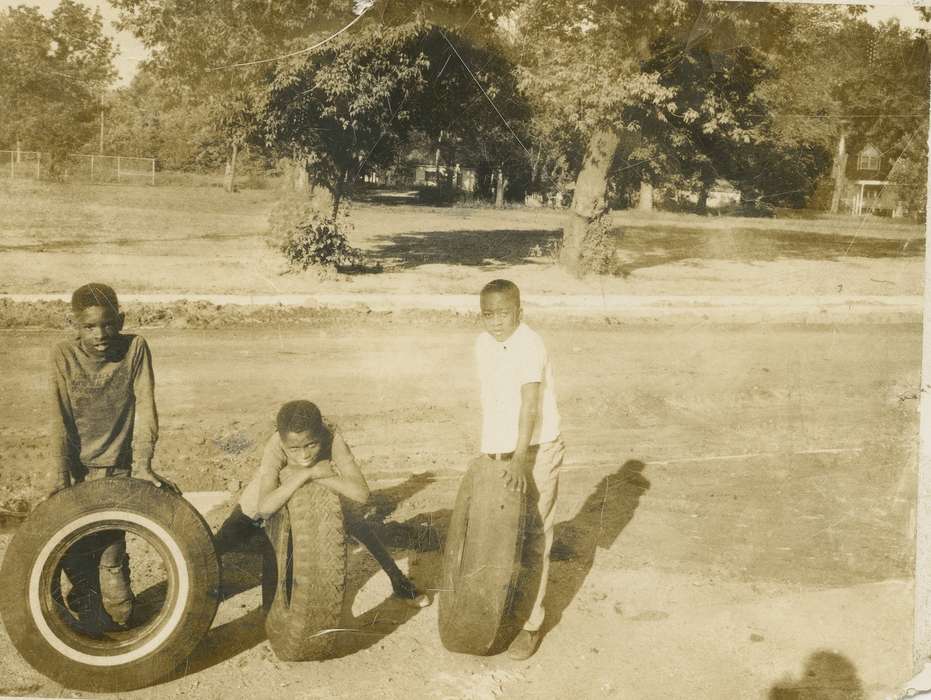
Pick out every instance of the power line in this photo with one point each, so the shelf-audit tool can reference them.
(293, 53)
(490, 101)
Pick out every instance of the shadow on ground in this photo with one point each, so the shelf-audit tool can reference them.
(488, 249)
(601, 519)
(418, 537)
(641, 247)
(387, 197)
(638, 247)
(827, 676)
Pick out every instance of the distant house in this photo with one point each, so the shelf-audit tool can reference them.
(722, 194)
(867, 189)
(463, 178)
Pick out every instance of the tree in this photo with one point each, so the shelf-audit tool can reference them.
(884, 99)
(719, 125)
(471, 108)
(53, 72)
(582, 64)
(840, 78)
(220, 54)
(352, 104)
(346, 106)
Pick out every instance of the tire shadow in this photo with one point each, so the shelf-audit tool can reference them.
(599, 522)
(420, 539)
(241, 571)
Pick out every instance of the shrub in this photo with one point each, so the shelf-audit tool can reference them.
(308, 237)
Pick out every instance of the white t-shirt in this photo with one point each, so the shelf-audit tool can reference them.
(503, 368)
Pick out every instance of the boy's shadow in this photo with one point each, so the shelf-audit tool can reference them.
(599, 522)
(242, 571)
(827, 676)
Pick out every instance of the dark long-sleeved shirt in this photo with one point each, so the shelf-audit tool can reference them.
(103, 412)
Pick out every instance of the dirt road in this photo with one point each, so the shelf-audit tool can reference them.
(733, 516)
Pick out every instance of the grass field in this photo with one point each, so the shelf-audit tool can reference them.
(171, 239)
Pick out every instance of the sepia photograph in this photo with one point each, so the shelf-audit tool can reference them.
(464, 349)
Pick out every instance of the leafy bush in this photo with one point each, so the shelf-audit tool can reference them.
(308, 237)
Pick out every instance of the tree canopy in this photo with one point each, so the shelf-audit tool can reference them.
(53, 72)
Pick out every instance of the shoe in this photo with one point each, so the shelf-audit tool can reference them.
(421, 600)
(117, 595)
(405, 590)
(524, 645)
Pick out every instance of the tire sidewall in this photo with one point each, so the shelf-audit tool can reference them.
(192, 601)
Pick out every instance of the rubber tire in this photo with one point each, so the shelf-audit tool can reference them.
(29, 569)
(482, 560)
(308, 560)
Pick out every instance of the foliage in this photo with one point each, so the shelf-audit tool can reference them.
(345, 107)
(351, 106)
(471, 110)
(717, 124)
(53, 71)
(309, 237)
(196, 47)
(149, 119)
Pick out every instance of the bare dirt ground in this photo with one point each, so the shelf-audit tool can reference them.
(172, 239)
(733, 518)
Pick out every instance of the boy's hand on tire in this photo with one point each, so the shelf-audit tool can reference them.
(514, 473)
(148, 475)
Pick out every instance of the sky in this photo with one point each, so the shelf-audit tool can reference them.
(131, 51)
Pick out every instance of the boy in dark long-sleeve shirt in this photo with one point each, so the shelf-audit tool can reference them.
(104, 425)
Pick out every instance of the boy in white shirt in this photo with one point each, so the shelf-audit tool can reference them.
(520, 422)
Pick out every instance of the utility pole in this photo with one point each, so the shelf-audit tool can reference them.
(840, 168)
(101, 122)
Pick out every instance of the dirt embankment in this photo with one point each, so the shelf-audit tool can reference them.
(50, 315)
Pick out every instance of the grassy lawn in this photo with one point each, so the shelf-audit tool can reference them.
(199, 239)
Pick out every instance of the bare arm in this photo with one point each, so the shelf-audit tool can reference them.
(273, 496)
(517, 471)
(347, 480)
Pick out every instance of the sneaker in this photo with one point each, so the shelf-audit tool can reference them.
(405, 590)
(524, 645)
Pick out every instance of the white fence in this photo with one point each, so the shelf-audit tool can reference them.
(21, 164)
(113, 168)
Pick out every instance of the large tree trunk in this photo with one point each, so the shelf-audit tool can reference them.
(298, 175)
(499, 189)
(229, 178)
(646, 196)
(840, 170)
(703, 199)
(589, 199)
